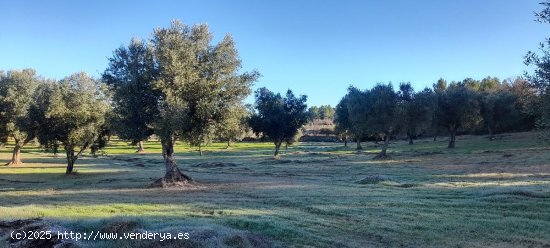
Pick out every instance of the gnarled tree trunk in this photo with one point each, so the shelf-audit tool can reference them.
(410, 136)
(140, 147)
(173, 176)
(16, 156)
(359, 147)
(383, 154)
(71, 157)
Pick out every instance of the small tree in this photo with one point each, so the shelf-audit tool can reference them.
(16, 95)
(498, 109)
(75, 115)
(278, 118)
(457, 107)
(130, 75)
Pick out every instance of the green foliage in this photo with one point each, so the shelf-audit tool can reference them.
(382, 113)
(358, 110)
(541, 74)
(323, 112)
(198, 82)
(279, 118)
(235, 125)
(458, 107)
(16, 95)
(74, 116)
(342, 122)
(130, 75)
(497, 106)
(415, 110)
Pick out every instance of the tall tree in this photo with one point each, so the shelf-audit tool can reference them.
(16, 95)
(130, 76)
(198, 82)
(277, 117)
(457, 107)
(74, 116)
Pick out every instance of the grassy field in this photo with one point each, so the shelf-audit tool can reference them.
(481, 194)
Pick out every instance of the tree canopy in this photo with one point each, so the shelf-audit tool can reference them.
(130, 77)
(16, 95)
(74, 116)
(279, 118)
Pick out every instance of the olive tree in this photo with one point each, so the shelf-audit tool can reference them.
(279, 118)
(16, 94)
(457, 107)
(382, 114)
(415, 110)
(198, 82)
(130, 76)
(73, 115)
(358, 108)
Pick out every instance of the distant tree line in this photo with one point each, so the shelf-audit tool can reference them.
(323, 112)
(486, 106)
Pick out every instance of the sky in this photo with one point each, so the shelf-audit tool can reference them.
(317, 48)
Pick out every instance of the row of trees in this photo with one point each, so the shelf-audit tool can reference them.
(69, 113)
(177, 85)
(467, 106)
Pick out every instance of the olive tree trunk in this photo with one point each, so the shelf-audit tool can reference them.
(173, 175)
(16, 156)
(359, 147)
(383, 154)
(70, 160)
(72, 157)
(140, 147)
(410, 136)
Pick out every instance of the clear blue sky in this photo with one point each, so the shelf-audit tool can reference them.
(317, 48)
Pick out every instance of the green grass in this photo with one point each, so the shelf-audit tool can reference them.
(483, 193)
